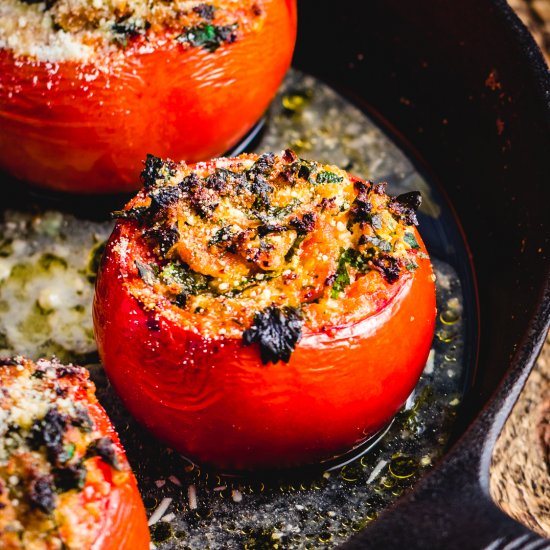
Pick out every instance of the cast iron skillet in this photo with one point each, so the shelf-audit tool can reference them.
(465, 84)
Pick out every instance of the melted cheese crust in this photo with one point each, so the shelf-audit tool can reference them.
(219, 242)
(52, 485)
(78, 30)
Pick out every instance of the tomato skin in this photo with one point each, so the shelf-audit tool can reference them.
(124, 522)
(216, 403)
(77, 128)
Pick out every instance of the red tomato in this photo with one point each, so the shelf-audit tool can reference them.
(212, 399)
(106, 513)
(123, 523)
(85, 128)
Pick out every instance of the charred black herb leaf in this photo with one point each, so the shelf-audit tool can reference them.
(208, 36)
(71, 477)
(42, 494)
(276, 330)
(49, 432)
(155, 169)
(404, 207)
(104, 448)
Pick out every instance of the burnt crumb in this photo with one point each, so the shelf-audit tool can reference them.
(264, 230)
(125, 30)
(327, 203)
(8, 362)
(404, 207)
(220, 179)
(290, 156)
(388, 267)
(42, 494)
(105, 449)
(261, 188)
(164, 237)
(262, 167)
(276, 330)
(153, 170)
(69, 370)
(305, 225)
(201, 199)
(71, 477)
(361, 207)
(49, 432)
(329, 281)
(205, 11)
(164, 197)
(82, 420)
(379, 188)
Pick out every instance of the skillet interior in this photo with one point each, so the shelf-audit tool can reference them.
(466, 85)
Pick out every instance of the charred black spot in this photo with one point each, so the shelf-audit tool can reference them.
(361, 207)
(261, 188)
(290, 156)
(105, 449)
(8, 362)
(276, 330)
(42, 494)
(263, 166)
(305, 225)
(206, 11)
(164, 237)
(404, 207)
(71, 477)
(82, 420)
(153, 170)
(124, 30)
(49, 432)
(388, 266)
(379, 188)
(201, 199)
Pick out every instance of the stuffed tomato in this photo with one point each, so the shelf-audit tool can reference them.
(88, 88)
(64, 478)
(264, 311)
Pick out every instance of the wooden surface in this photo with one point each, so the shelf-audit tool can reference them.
(520, 472)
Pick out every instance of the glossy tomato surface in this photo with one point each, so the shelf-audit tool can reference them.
(85, 128)
(123, 522)
(213, 400)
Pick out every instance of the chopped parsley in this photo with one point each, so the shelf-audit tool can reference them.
(208, 36)
(410, 239)
(328, 177)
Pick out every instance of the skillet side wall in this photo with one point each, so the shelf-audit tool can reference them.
(464, 87)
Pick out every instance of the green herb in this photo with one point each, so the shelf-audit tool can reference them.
(352, 258)
(283, 211)
(294, 248)
(136, 213)
(411, 266)
(328, 177)
(410, 239)
(189, 281)
(222, 235)
(207, 36)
